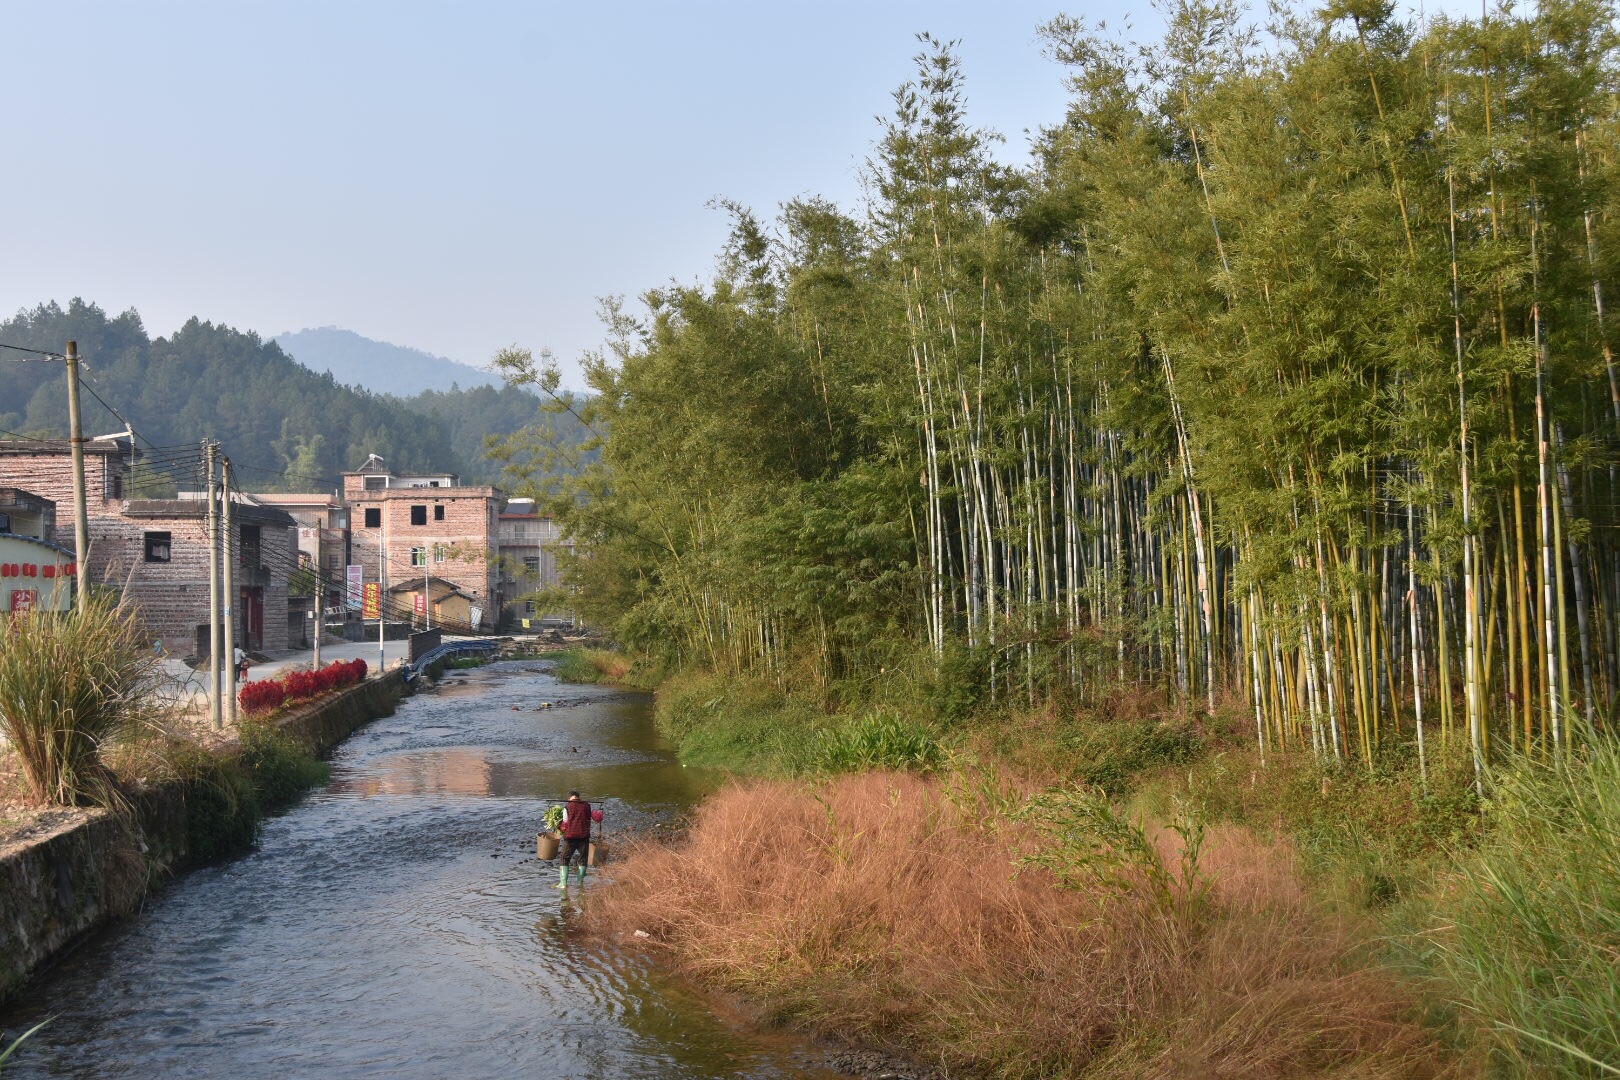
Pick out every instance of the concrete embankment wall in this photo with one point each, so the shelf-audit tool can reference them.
(90, 867)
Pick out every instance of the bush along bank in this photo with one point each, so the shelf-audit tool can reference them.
(1491, 922)
(587, 665)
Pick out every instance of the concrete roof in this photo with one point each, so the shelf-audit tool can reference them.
(55, 447)
(38, 543)
(242, 513)
(13, 496)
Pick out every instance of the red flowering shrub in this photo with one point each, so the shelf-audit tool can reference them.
(267, 694)
(261, 696)
(301, 684)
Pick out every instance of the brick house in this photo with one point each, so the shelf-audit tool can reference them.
(403, 527)
(324, 546)
(156, 550)
(323, 528)
(529, 544)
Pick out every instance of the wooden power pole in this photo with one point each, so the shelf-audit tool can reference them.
(81, 515)
(215, 683)
(227, 554)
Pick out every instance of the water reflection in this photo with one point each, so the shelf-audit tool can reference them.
(397, 923)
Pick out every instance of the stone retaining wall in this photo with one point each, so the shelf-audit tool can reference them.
(88, 868)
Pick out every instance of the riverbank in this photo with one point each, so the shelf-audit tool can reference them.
(64, 872)
(1206, 911)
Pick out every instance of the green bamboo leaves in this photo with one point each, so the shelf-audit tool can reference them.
(1281, 374)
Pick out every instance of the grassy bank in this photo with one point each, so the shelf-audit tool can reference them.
(586, 665)
(229, 793)
(1335, 920)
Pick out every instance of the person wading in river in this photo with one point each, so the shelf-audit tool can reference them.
(576, 837)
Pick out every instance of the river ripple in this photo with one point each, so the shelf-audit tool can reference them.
(397, 924)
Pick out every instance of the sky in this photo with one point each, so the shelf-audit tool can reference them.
(454, 177)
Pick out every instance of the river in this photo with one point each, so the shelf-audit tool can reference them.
(398, 924)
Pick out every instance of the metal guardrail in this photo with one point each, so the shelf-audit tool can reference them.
(445, 652)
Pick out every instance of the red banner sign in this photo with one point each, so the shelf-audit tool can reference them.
(372, 608)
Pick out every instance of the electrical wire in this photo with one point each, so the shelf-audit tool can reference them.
(40, 355)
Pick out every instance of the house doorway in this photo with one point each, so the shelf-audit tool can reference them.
(252, 621)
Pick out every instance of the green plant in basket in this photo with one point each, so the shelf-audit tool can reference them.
(553, 819)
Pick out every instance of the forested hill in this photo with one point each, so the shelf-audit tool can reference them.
(377, 365)
(286, 427)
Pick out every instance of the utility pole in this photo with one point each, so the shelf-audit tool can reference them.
(81, 515)
(320, 599)
(382, 589)
(227, 554)
(427, 595)
(210, 450)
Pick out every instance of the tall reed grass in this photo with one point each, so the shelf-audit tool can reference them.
(899, 910)
(70, 684)
(1528, 941)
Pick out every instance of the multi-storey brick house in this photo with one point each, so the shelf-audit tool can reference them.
(529, 544)
(163, 555)
(323, 528)
(156, 550)
(323, 546)
(410, 527)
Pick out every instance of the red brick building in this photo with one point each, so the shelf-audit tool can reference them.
(156, 550)
(408, 527)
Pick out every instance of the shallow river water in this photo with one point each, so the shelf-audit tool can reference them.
(397, 923)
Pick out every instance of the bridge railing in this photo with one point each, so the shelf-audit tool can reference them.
(448, 650)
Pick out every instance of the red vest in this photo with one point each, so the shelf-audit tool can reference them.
(576, 823)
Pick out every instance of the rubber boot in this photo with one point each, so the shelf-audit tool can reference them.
(582, 875)
(562, 883)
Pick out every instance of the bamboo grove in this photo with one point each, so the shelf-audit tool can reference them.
(1282, 377)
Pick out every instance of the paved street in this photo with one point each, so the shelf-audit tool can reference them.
(181, 683)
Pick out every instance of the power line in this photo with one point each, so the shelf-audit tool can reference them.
(40, 355)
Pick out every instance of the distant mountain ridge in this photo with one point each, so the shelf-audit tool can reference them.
(378, 366)
(287, 428)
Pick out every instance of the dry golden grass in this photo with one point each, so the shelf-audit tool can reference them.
(877, 908)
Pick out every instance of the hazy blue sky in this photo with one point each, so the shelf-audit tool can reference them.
(453, 177)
